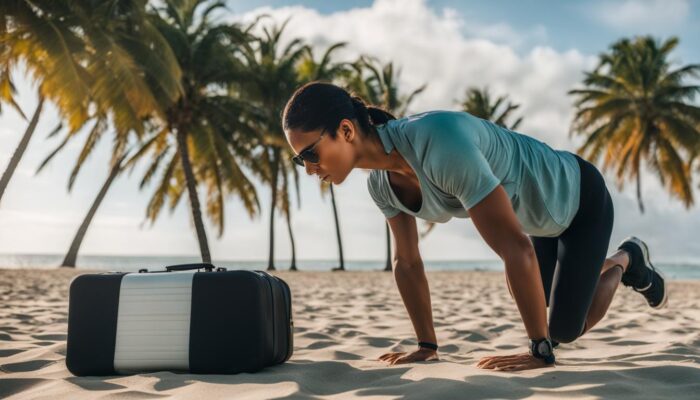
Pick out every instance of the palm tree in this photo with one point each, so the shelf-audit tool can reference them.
(271, 78)
(380, 87)
(21, 147)
(206, 138)
(478, 102)
(326, 70)
(71, 256)
(7, 87)
(40, 40)
(636, 106)
(124, 77)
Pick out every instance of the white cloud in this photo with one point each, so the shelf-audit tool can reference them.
(647, 15)
(433, 48)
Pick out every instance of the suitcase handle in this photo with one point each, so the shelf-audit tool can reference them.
(185, 267)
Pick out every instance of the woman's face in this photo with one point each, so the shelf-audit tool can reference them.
(336, 156)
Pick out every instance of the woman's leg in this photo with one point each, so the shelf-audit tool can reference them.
(607, 285)
(582, 249)
(546, 251)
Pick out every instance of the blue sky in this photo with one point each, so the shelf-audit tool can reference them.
(589, 26)
(533, 51)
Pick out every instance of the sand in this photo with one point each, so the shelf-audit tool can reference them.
(344, 321)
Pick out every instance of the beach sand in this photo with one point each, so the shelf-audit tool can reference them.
(344, 321)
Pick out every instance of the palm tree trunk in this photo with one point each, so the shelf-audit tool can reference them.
(273, 205)
(337, 233)
(72, 255)
(21, 147)
(639, 192)
(194, 199)
(387, 267)
(293, 267)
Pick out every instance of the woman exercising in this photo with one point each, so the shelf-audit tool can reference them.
(547, 213)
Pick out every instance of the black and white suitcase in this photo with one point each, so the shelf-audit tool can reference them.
(178, 319)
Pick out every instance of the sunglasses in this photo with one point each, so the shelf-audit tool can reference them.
(308, 153)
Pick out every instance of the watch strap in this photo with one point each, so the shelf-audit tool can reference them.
(428, 345)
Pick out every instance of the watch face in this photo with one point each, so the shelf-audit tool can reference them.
(544, 348)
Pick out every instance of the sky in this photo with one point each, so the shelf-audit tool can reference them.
(533, 51)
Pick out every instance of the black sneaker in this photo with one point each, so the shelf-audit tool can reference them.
(641, 275)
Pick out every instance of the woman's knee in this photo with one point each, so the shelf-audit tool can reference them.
(565, 332)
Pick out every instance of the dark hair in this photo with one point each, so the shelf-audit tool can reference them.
(322, 105)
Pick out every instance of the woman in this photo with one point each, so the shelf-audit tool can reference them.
(547, 213)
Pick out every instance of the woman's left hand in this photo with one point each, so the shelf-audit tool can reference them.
(514, 362)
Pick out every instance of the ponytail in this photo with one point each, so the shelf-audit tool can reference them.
(369, 116)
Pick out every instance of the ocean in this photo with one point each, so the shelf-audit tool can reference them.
(672, 270)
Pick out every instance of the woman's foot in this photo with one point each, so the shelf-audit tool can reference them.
(641, 275)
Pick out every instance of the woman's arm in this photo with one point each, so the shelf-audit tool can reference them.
(498, 225)
(495, 220)
(410, 276)
(413, 287)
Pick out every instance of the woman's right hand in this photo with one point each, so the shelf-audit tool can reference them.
(422, 354)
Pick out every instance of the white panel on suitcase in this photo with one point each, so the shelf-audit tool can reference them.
(153, 322)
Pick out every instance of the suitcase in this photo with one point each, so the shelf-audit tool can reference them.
(180, 319)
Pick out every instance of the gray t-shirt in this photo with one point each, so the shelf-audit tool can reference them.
(459, 159)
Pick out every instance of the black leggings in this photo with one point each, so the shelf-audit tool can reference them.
(570, 263)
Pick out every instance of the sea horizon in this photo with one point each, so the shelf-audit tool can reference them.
(673, 269)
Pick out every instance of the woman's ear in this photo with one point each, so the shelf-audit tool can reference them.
(347, 129)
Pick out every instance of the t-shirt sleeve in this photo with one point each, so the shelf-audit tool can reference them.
(453, 160)
(387, 209)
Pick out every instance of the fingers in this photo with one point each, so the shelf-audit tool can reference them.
(516, 367)
(498, 361)
(401, 360)
(491, 359)
(515, 364)
(386, 355)
(403, 357)
(390, 357)
(406, 359)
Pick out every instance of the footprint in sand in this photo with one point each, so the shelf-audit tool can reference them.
(352, 333)
(43, 343)
(342, 355)
(316, 335)
(475, 337)
(500, 328)
(378, 341)
(12, 386)
(51, 336)
(321, 344)
(9, 352)
(26, 366)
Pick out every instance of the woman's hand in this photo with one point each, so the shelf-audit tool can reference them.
(514, 362)
(421, 354)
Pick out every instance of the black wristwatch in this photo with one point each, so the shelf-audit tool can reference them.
(542, 348)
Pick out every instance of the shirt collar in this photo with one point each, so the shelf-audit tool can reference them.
(385, 137)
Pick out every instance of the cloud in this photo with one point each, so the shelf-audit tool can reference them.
(649, 15)
(449, 54)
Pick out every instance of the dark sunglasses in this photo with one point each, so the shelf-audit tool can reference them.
(308, 153)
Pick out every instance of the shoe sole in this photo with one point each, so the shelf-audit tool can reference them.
(645, 253)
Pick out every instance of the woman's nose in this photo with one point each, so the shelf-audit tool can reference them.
(309, 168)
